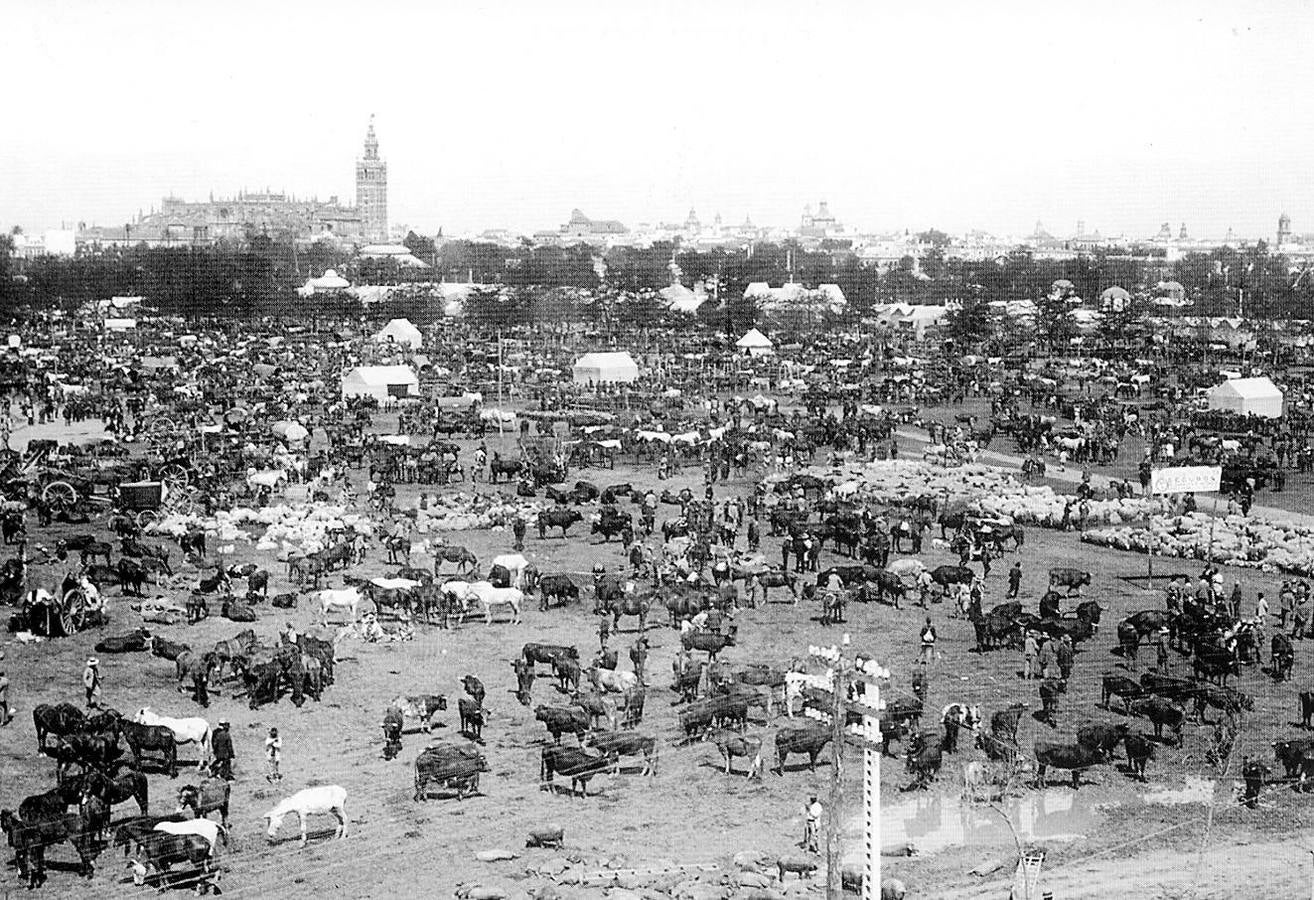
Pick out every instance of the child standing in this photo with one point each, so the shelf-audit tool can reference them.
(273, 755)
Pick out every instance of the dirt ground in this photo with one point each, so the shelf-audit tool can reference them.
(690, 813)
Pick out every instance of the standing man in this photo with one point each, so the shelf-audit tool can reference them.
(221, 744)
(1065, 656)
(273, 756)
(604, 629)
(1030, 649)
(1014, 580)
(91, 682)
(1048, 659)
(518, 529)
(639, 658)
(928, 642)
(6, 712)
(812, 827)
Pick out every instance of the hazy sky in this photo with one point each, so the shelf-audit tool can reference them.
(955, 115)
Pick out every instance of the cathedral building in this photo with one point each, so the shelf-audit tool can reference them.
(179, 222)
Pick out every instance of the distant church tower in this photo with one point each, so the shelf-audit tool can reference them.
(1284, 229)
(372, 190)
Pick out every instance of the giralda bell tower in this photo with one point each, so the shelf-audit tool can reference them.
(372, 189)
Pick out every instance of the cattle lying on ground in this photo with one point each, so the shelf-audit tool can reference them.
(134, 641)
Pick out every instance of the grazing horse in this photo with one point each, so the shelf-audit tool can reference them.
(466, 562)
(327, 798)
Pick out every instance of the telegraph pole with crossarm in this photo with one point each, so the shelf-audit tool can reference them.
(862, 671)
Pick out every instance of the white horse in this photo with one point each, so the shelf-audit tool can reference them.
(192, 730)
(343, 599)
(489, 596)
(206, 828)
(327, 798)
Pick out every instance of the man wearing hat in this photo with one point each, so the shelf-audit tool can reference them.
(91, 681)
(221, 745)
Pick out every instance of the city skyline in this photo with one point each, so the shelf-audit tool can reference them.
(1123, 118)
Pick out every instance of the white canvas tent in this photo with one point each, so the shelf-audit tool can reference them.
(380, 382)
(1259, 396)
(755, 343)
(606, 367)
(401, 331)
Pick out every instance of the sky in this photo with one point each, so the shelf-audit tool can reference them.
(508, 115)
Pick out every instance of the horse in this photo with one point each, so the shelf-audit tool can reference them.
(327, 798)
(343, 599)
(466, 562)
(191, 730)
(484, 593)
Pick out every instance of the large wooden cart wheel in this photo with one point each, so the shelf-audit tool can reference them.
(60, 494)
(175, 477)
(184, 502)
(146, 517)
(160, 426)
(73, 614)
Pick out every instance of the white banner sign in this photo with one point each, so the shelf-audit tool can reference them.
(1185, 479)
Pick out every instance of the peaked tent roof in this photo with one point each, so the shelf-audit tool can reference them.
(754, 338)
(1248, 388)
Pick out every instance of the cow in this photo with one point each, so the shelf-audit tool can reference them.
(545, 653)
(1120, 686)
(593, 703)
(1050, 690)
(1073, 757)
(947, 576)
(615, 744)
(708, 641)
(576, 764)
(612, 681)
(557, 518)
(421, 707)
(1168, 686)
(730, 745)
(556, 588)
(473, 716)
(1216, 663)
(1140, 750)
(696, 720)
(924, 757)
(1161, 713)
(1290, 752)
(448, 766)
(810, 739)
(1102, 737)
(567, 672)
(559, 719)
(1229, 700)
(1071, 579)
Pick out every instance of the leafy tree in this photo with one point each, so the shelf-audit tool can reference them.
(970, 323)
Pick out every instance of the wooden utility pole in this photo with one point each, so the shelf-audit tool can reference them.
(834, 860)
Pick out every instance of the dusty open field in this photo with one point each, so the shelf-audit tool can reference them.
(690, 813)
